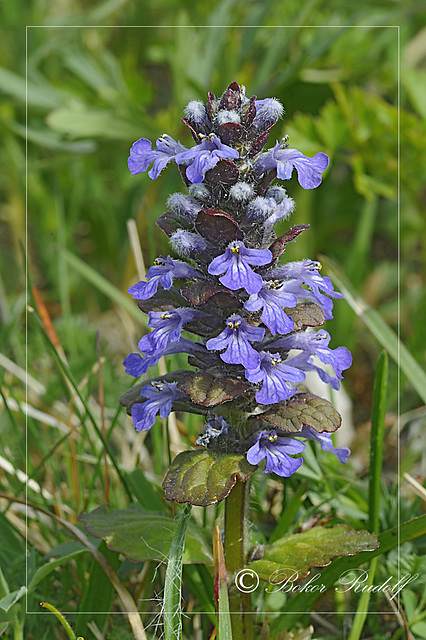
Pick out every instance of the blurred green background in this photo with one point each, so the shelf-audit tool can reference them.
(101, 75)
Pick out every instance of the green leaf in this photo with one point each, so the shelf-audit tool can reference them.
(84, 123)
(173, 580)
(38, 95)
(210, 391)
(142, 536)
(204, 477)
(50, 140)
(304, 409)
(47, 568)
(387, 540)
(11, 598)
(378, 327)
(291, 558)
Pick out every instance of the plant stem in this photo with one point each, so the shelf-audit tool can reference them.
(236, 527)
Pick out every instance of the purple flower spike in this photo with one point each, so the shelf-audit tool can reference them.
(306, 272)
(167, 328)
(342, 453)
(274, 374)
(159, 399)
(277, 451)
(141, 155)
(236, 340)
(234, 263)
(284, 160)
(162, 272)
(204, 157)
(272, 298)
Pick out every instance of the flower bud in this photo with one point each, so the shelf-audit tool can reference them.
(268, 111)
(241, 191)
(179, 203)
(185, 243)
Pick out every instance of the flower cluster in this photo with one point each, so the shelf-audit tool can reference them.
(255, 319)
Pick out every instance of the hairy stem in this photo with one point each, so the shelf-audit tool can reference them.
(236, 528)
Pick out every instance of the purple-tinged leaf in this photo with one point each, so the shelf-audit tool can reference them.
(211, 106)
(204, 477)
(230, 133)
(304, 409)
(200, 292)
(209, 391)
(182, 171)
(260, 142)
(211, 223)
(279, 246)
(306, 314)
(162, 301)
(232, 98)
(251, 111)
(194, 133)
(266, 181)
(225, 172)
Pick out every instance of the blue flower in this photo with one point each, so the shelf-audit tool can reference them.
(277, 451)
(136, 365)
(316, 344)
(284, 160)
(342, 453)
(204, 157)
(159, 399)
(236, 340)
(167, 328)
(306, 272)
(162, 272)
(234, 263)
(272, 298)
(142, 154)
(275, 375)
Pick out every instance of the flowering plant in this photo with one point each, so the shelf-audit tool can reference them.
(253, 317)
(255, 323)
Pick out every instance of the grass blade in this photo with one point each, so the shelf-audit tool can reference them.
(66, 372)
(127, 601)
(378, 327)
(377, 436)
(173, 581)
(46, 569)
(98, 594)
(224, 628)
(376, 459)
(103, 285)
